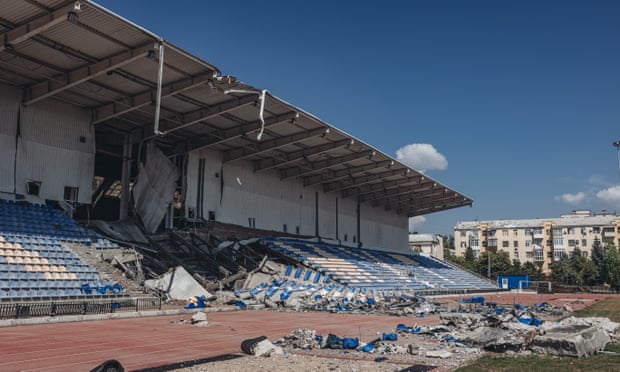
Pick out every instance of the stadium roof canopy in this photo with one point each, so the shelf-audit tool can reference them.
(83, 54)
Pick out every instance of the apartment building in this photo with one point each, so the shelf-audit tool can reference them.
(539, 240)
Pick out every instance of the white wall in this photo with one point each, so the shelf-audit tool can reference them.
(49, 147)
(273, 203)
(9, 107)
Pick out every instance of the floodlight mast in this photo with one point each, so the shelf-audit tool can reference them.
(617, 146)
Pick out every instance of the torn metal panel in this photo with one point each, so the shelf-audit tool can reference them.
(178, 285)
(154, 188)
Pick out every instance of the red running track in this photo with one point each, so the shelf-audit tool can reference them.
(139, 343)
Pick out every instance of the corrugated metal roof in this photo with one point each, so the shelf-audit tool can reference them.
(88, 56)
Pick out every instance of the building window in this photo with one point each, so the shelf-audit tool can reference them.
(504, 232)
(505, 244)
(463, 233)
(570, 230)
(463, 245)
(584, 254)
(515, 232)
(515, 243)
(596, 230)
(528, 243)
(515, 254)
(529, 254)
(71, 194)
(571, 243)
(539, 255)
(33, 187)
(584, 242)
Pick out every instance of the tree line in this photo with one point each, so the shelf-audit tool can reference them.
(601, 269)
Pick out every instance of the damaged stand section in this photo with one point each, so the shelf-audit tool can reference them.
(467, 328)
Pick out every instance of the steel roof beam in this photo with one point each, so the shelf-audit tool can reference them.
(203, 114)
(62, 82)
(128, 104)
(256, 148)
(223, 135)
(435, 206)
(322, 164)
(287, 158)
(393, 192)
(342, 173)
(403, 200)
(383, 185)
(38, 25)
(355, 181)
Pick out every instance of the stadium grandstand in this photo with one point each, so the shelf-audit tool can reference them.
(112, 138)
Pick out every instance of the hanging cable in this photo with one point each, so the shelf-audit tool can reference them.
(262, 95)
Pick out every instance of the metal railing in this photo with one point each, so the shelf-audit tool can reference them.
(19, 310)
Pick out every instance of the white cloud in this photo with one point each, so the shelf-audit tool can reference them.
(572, 199)
(416, 222)
(421, 156)
(610, 195)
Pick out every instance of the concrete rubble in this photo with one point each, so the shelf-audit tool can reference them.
(517, 330)
(199, 319)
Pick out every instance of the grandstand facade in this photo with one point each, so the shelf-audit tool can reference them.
(92, 102)
(108, 121)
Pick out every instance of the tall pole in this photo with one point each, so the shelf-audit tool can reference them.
(617, 146)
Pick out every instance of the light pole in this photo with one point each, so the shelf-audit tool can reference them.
(617, 146)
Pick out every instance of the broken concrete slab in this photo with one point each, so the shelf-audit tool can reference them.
(461, 319)
(496, 339)
(442, 354)
(266, 348)
(571, 340)
(199, 319)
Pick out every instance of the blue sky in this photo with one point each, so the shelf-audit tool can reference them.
(515, 104)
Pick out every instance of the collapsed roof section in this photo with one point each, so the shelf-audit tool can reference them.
(136, 83)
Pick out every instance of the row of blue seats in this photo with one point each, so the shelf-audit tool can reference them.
(427, 272)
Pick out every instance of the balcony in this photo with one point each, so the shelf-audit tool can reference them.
(538, 235)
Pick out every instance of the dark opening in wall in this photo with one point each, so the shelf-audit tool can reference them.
(33, 187)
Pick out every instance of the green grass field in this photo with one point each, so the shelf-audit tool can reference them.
(609, 308)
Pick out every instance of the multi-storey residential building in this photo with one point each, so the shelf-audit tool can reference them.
(539, 240)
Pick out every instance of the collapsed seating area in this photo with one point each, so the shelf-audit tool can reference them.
(35, 261)
(376, 270)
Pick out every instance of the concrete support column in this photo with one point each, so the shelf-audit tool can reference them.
(125, 176)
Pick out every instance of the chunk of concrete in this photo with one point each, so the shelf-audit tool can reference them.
(460, 319)
(266, 348)
(442, 354)
(571, 340)
(199, 319)
(496, 339)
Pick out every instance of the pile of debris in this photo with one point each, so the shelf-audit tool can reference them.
(472, 333)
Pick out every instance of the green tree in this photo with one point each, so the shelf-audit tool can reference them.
(583, 270)
(500, 264)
